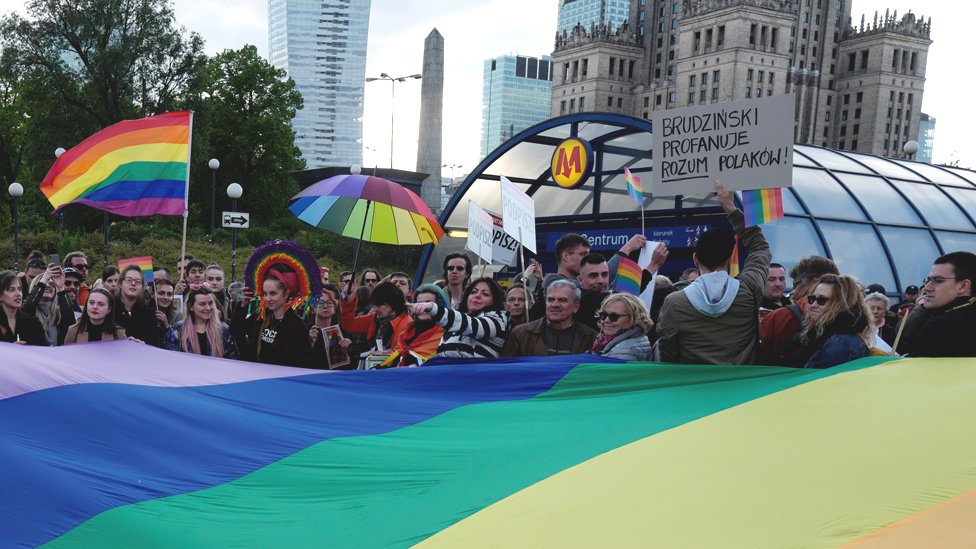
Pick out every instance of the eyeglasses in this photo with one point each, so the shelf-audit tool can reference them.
(81, 266)
(936, 280)
(74, 283)
(136, 281)
(613, 317)
(818, 299)
(451, 268)
(346, 281)
(326, 303)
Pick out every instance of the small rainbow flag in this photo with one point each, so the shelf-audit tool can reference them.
(628, 277)
(634, 188)
(734, 264)
(133, 168)
(762, 206)
(144, 263)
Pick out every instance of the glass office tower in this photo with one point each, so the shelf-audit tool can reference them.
(587, 12)
(517, 93)
(322, 46)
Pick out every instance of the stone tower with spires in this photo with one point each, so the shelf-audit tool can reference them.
(678, 53)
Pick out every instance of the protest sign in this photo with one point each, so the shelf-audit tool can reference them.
(745, 144)
(504, 247)
(518, 214)
(480, 228)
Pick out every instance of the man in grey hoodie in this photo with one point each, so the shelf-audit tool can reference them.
(715, 319)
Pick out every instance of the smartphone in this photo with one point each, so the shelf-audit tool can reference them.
(54, 258)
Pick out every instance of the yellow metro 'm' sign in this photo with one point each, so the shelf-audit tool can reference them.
(572, 162)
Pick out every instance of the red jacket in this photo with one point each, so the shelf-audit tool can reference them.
(774, 332)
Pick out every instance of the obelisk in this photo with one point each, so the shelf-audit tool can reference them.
(431, 119)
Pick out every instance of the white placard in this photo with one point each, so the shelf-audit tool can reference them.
(480, 228)
(504, 247)
(646, 255)
(745, 144)
(518, 214)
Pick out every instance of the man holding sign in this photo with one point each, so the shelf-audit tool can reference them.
(715, 319)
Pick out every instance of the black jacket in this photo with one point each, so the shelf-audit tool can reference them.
(139, 323)
(61, 301)
(29, 329)
(848, 323)
(284, 343)
(950, 331)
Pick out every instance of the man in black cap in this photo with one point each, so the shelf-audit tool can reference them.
(73, 280)
(906, 306)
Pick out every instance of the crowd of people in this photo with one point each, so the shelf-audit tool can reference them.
(708, 316)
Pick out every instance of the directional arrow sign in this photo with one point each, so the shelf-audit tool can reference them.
(236, 220)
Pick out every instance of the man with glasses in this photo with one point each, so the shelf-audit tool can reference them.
(557, 333)
(945, 322)
(79, 262)
(72, 283)
(370, 278)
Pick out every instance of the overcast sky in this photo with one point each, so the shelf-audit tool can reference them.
(474, 30)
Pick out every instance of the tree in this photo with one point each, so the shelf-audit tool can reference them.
(111, 59)
(244, 109)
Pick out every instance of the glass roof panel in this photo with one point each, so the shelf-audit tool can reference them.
(938, 210)
(526, 160)
(857, 251)
(957, 242)
(799, 159)
(640, 141)
(884, 166)
(913, 251)
(485, 193)
(824, 196)
(592, 130)
(830, 159)
(881, 200)
(965, 197)
(965, 174)
(559, 132)
(551, 200)
(790, 204)
(934, 174)
(792, 239)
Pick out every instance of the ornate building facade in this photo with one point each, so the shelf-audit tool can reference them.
(857, 88)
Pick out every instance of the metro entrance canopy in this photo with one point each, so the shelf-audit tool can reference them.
(882, 220)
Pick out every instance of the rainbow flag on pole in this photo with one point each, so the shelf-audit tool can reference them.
(144, 263)
(133, 168)
(762, 206)
(628, 277)
(634, 188)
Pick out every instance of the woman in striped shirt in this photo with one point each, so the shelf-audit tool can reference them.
(478, 329)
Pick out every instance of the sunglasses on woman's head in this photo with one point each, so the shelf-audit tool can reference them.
(602, 315)
(818, 299)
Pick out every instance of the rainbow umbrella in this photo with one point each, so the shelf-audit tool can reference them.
(369, 208)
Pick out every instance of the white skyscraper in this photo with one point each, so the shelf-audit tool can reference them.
(322, 46)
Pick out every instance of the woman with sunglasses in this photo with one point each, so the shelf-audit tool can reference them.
(456, 278)
(624, 324)
(97, 322)
(837, 326)
(49, 303)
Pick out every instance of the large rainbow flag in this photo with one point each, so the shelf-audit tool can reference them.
(153, 448)
(133, 168)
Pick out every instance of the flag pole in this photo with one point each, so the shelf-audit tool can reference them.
(525, 281)
(186, 193)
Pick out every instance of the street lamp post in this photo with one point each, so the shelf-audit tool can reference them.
(214, 164)
(393, 81)
(234, 191)
(16, 190)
